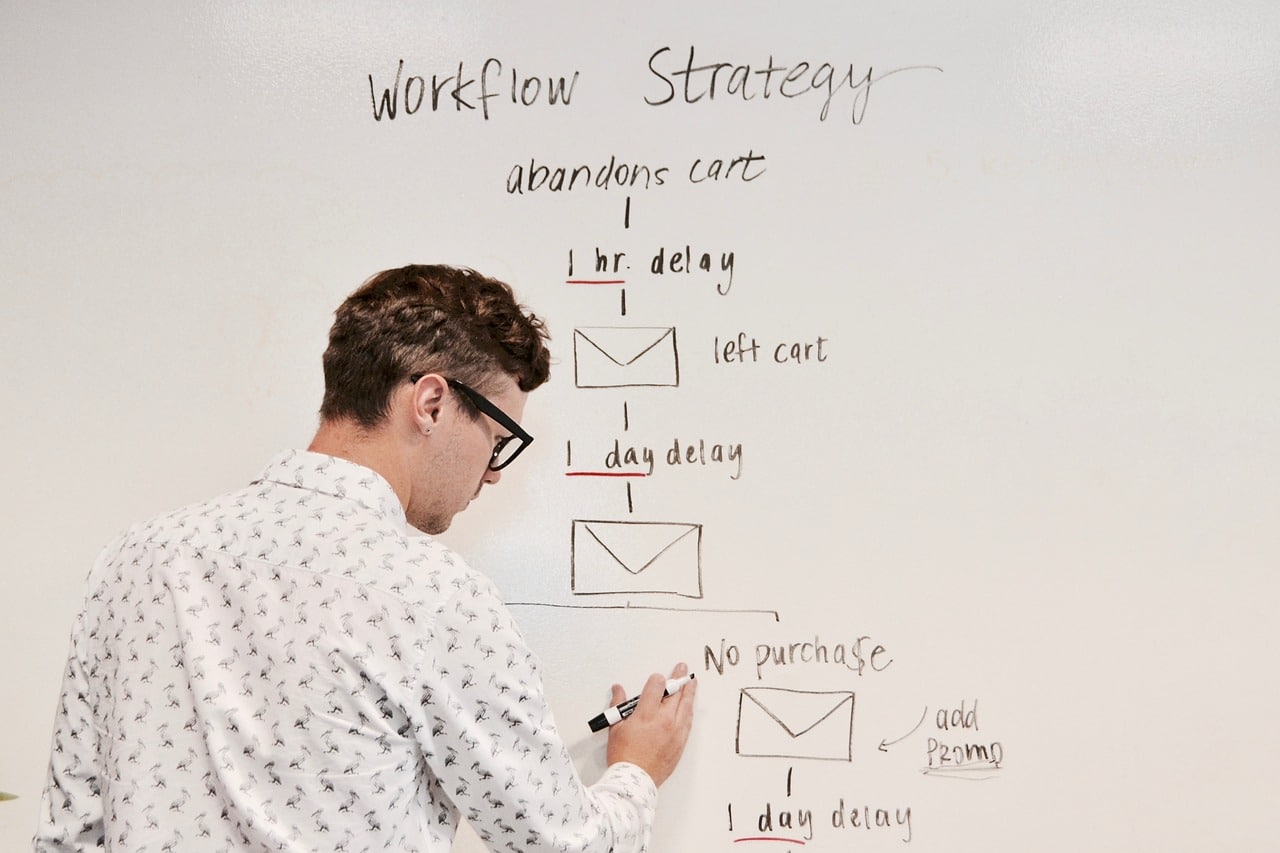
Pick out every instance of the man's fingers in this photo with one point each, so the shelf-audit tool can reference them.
(684, 708)
(653, 690)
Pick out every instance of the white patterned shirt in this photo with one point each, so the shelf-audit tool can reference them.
(291, 667)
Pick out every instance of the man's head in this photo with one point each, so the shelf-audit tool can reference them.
(415, 357)
(427, 319)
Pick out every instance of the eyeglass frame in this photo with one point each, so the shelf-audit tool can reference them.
(503, 420)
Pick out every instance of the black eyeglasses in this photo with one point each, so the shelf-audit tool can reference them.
(509, 446)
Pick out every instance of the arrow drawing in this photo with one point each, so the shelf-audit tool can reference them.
(885, 744)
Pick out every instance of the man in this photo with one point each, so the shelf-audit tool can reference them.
(289, 667)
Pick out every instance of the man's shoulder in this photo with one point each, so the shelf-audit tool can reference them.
(208, 514)
(347, 537)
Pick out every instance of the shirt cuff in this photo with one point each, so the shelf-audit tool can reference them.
(625, 776)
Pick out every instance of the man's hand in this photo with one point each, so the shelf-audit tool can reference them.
(653, 737)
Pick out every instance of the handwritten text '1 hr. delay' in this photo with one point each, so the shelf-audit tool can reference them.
(665, 260)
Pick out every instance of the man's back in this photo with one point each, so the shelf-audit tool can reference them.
(286, 667)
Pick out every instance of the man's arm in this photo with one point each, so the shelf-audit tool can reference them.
(495, 751)
(71, 814)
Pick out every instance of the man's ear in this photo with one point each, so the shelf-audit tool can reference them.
(426, 402)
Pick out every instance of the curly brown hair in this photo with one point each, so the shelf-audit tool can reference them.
(427, 319)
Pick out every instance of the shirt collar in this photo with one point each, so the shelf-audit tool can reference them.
(330, 475)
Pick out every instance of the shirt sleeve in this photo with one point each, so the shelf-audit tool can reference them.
(71, 813)
(492, 745)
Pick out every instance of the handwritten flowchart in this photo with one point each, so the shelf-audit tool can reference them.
(640, 559)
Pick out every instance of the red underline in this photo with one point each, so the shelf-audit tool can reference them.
(595, 281)
(604, 474)
(771, 838)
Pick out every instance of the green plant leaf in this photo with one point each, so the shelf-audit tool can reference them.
(5, 795)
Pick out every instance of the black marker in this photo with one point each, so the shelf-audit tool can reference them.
(620, 712)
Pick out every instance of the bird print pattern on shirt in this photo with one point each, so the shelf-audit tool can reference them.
(291, 667)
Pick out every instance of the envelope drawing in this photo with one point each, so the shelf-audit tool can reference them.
(625, 356)
(775, 722)
(636, 556)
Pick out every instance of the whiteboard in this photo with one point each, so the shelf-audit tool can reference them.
(957, 409)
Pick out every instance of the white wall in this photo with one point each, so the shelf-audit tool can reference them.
(1037, 462)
